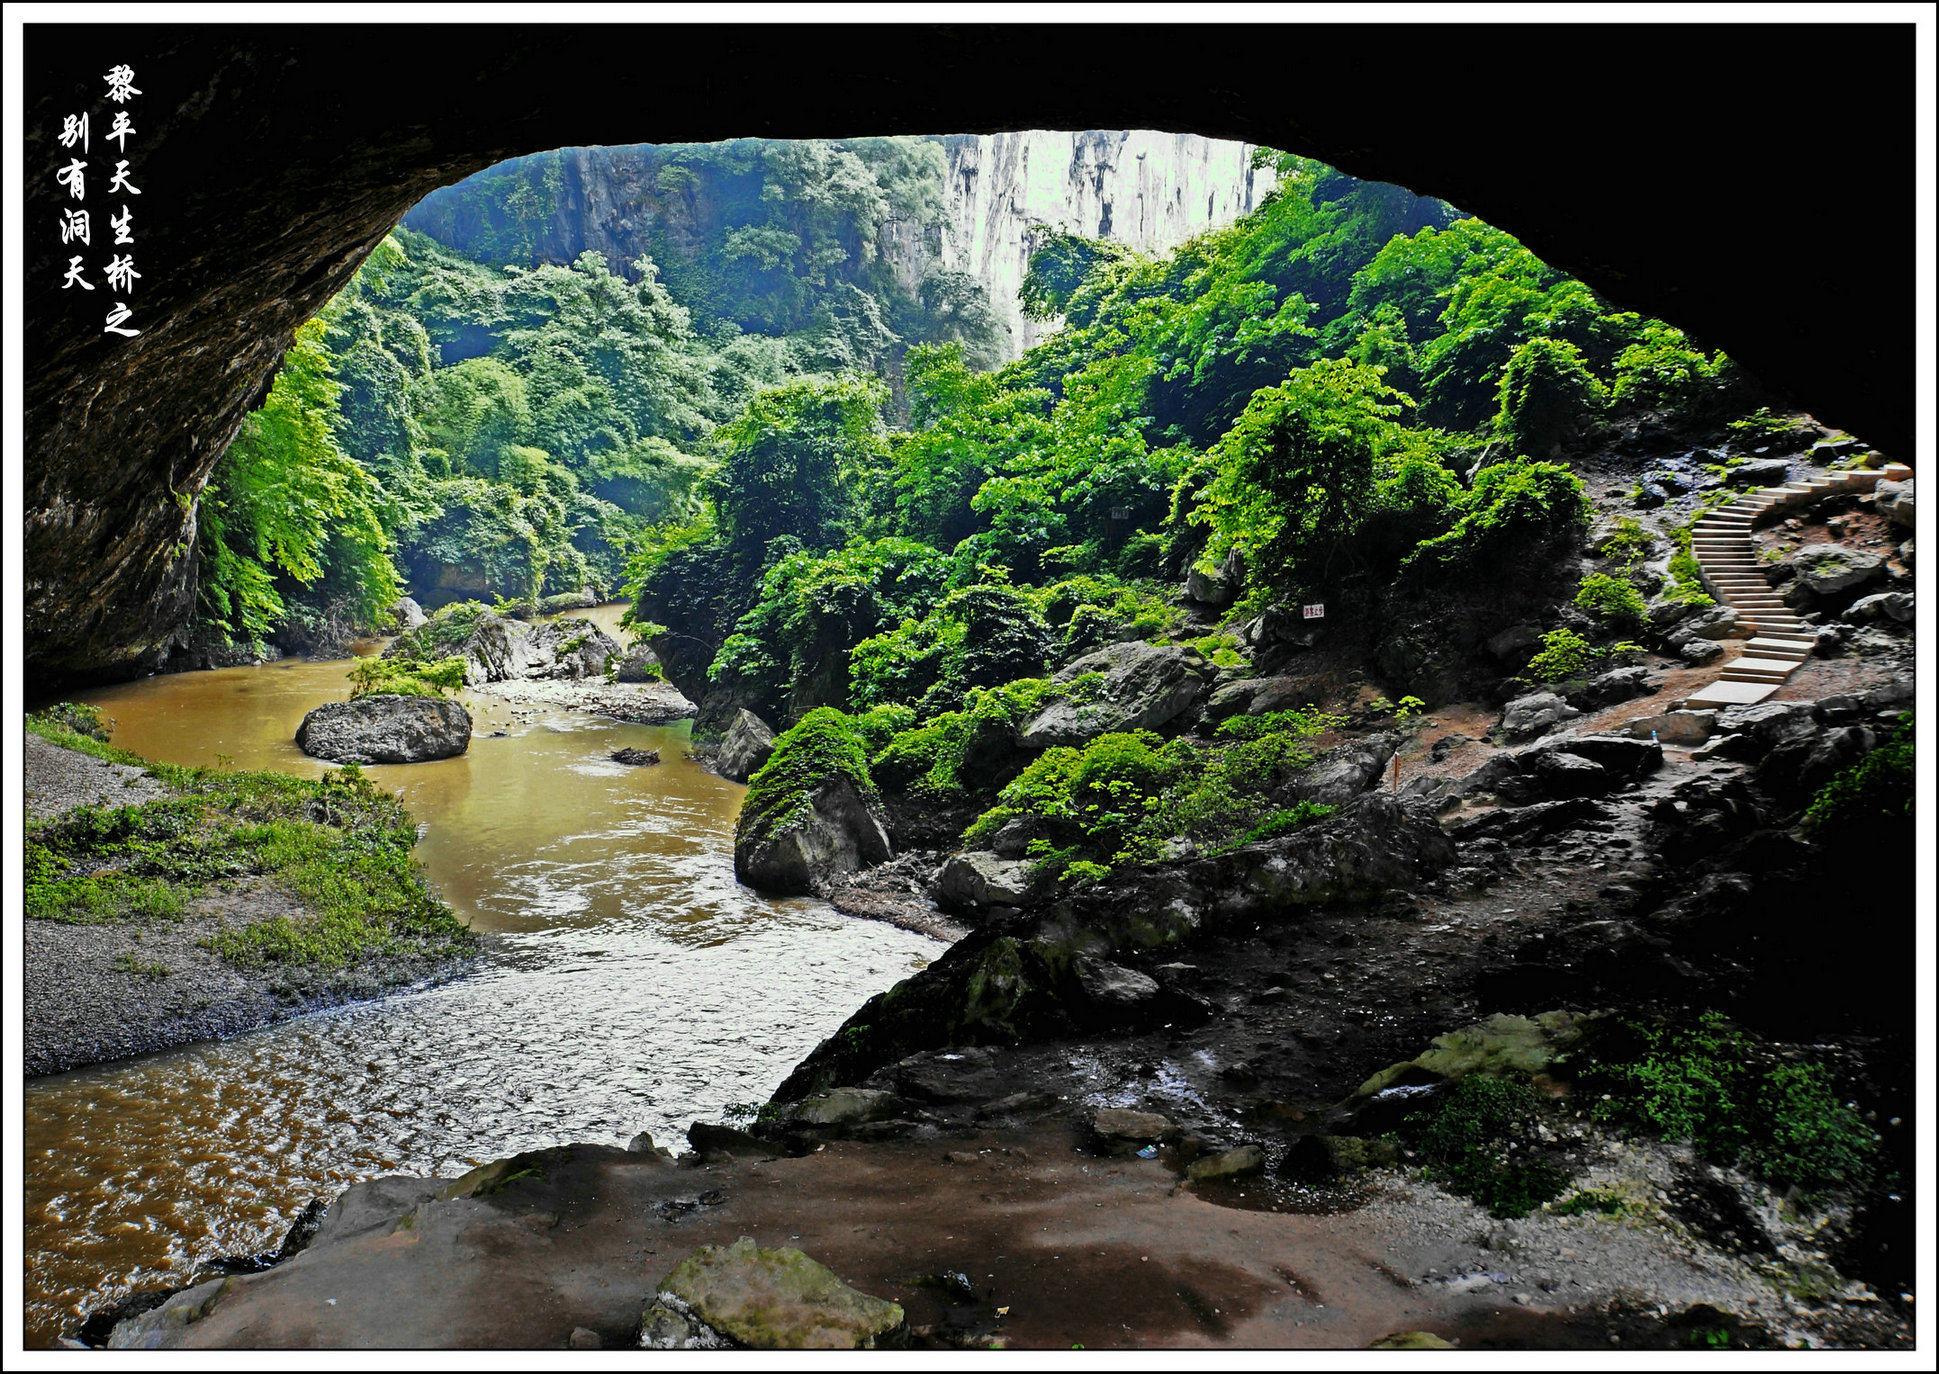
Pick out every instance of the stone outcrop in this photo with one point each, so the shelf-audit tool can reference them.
(748, 745)
(837, 830)
(385, 729)
(1827, 569)
(1144, 687)
(1536, 714)
(972, 882)
(1071, 963)
(743, 1296)
(498, 649)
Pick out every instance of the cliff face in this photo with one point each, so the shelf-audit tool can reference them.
(1148, 191)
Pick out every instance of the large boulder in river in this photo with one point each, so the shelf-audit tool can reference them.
(748, 746)
(1142, 687)
(813, 812)
(385, 729)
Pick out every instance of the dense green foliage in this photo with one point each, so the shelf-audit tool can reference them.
(1704, 1083)
(1874, 798)
(338, 844)
(1127, 798)
(823, 745)
(1481, 1141)
(403, 677)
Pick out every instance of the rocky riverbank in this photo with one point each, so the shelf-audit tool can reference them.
(105, 977)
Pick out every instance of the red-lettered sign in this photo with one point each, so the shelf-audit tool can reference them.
(1313, 612)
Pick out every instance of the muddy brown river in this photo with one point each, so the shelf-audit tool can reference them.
(632, 985)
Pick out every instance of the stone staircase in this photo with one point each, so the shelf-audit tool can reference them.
(1727, 558)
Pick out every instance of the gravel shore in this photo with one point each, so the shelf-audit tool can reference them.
(94, 993)
(642, 703)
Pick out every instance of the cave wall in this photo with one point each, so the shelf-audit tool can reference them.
(1726, 178)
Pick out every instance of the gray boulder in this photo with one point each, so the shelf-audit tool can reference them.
(1515, 645)
(1527, 717)
(1618, 685)
(406, 614)
(1119, 1123)
(1894, 499)
(742, 1296)
(746, 749)
(1114, 988)
(1344, 772)
(639, 665)
(845, 1107)
(976, 880)
(836, 831)
(1664, 613)
(1561, 776)
(1220, 586)
(1827, 569)
(1676, 727)
(1759, 472)
(498, 649)
(385, 729)
(568, 650)
(1697, 649)
(1882, 606)
(1144, 687)
(1717, 622)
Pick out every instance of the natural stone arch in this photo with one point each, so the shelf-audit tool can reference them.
(276, 158)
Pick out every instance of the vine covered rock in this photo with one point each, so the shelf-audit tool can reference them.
(812, 812)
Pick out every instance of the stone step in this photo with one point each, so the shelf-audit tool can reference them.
(1771, 648)
(1747, 664)
(1726, 693)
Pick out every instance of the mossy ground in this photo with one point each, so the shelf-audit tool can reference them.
(338, 844)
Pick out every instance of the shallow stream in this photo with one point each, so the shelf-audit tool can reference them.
(633, 985)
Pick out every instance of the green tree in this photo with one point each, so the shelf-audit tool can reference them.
(1547, 397)
(1295, 475)
(799, 461)
(286, 500)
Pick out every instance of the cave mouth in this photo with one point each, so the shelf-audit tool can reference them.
(120, 435)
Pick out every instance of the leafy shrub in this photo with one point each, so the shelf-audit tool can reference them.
(1611, 600)
(1564, 654)
(406, 677)
(1629, 546)
(1286, 820)
(1515, 514)
(1129, 798)
(77, 716)
(1876, 792)
(1480, 1141)
(1299, 724)
(1664, 371)
(1686, 574)
(446, 629)
(1702, 1084)
(1547, 396)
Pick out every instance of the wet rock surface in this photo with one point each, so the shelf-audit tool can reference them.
(743, 1296)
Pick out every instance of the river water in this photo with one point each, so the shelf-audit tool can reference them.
(632, 985)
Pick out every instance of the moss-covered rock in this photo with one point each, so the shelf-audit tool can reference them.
(743, 1295)
(1500, 1045)
(812, 811)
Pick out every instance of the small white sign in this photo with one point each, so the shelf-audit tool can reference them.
(1313, 612)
